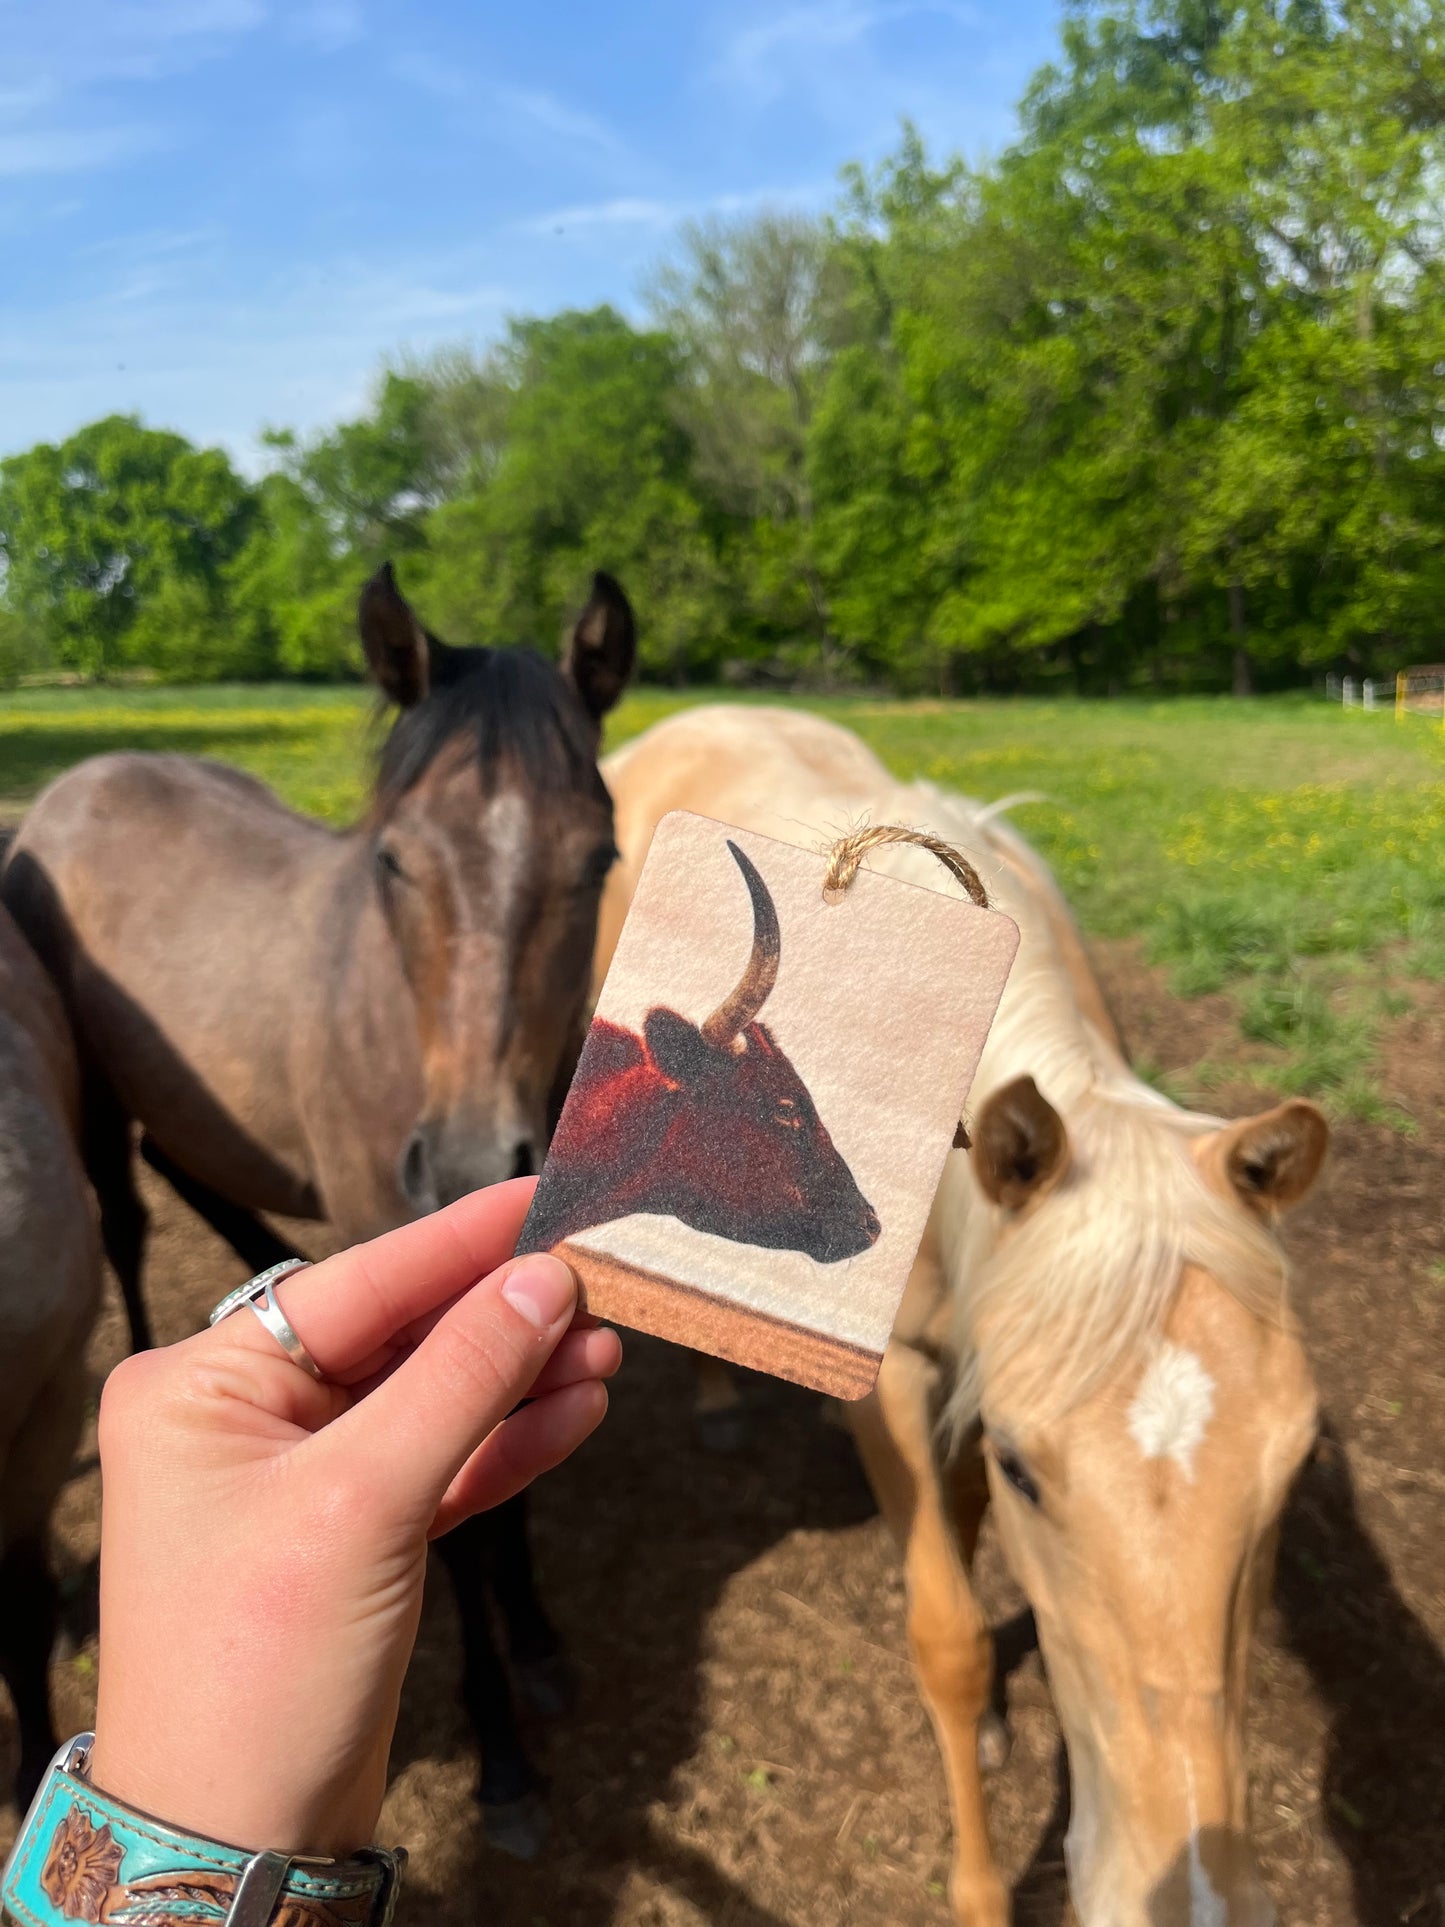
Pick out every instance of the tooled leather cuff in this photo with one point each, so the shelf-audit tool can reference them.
(83, 1855)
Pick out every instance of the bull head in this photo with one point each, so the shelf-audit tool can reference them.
(744, 1153)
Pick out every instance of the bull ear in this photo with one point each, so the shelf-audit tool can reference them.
(678, 1048)
(1020, 1146)
(602, 647)
(403, 658)
(1272, 1160)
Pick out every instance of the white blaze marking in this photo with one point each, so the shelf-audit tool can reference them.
(1171, 1408)
(506, 819)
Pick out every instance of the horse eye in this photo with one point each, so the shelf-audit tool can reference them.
(787, 1113)
(594, 871)
(389, 863)
(1013, 1469)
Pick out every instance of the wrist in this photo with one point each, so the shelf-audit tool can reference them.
(207, 1790)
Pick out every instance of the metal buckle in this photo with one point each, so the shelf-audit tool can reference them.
(258, 1889)
(392, 1861)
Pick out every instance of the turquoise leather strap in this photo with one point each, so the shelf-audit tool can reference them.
(82, 1855)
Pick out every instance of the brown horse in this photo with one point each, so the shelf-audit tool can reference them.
(49, 1290)
(1096, 1334)
(355, 1026)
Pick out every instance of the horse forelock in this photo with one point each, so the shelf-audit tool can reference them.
(522, 718)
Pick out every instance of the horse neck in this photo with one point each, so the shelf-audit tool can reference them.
(1051, 1025)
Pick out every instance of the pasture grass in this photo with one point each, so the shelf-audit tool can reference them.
(1286, 853)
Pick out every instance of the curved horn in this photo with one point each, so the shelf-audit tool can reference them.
(738, 1010)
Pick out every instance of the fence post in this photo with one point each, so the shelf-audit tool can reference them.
(1399, 695)
(1369, 692)
(1348, 696)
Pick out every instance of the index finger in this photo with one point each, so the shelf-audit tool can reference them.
(355, 1308)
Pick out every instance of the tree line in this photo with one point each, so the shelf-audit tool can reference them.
(1156, 399)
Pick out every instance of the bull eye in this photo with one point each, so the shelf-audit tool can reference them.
(1013, 1469)
(787, 1114)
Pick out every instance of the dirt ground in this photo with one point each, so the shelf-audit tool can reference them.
(748, 1749)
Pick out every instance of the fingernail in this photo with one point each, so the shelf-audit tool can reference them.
(541, 1289)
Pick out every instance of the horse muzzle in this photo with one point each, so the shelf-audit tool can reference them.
(443, 1161)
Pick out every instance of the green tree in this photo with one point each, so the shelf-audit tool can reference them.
(102, 532)
(753, 306)
(587, 467)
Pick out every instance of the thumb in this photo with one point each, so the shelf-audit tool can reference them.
(410, 1436)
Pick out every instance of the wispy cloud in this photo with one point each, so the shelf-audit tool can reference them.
(17, 103)
(624, 212)
(433, 76)
(151, 243)
(662, 216)
(762, 56)
(53, 53)
(556, 117)
(183, 19)
(149, 39)
(326, 26)
(59, 150)
(529, 109)
(301, 347)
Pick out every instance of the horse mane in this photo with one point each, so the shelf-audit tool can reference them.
(517, 708)
(1088, 1277)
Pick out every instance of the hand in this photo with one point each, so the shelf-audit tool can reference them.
(263, 1536)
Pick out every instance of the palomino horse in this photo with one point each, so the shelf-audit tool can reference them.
(358, 1026)
(1098, 1317)
(49, 1290)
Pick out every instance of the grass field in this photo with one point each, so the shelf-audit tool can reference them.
(1286, 853)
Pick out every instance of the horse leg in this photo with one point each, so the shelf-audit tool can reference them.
(936, 1517)
(34, 1470)
(29, 1619)
(513, 1811)
(718, 1406)
(124, 1220)
(538, 1662)
(250, 1237)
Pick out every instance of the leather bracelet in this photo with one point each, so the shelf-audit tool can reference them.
(83, 1855)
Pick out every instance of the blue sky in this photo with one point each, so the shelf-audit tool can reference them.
(225, 213)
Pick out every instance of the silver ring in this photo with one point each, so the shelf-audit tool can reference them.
(260, 1294)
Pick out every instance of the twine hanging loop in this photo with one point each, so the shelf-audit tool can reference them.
(849, 851)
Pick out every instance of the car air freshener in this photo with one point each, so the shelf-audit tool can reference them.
(774, 1075)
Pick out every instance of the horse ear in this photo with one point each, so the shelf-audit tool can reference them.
(399, 651)
(1272, 1160)
(1020, 1146)
(602, 648)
